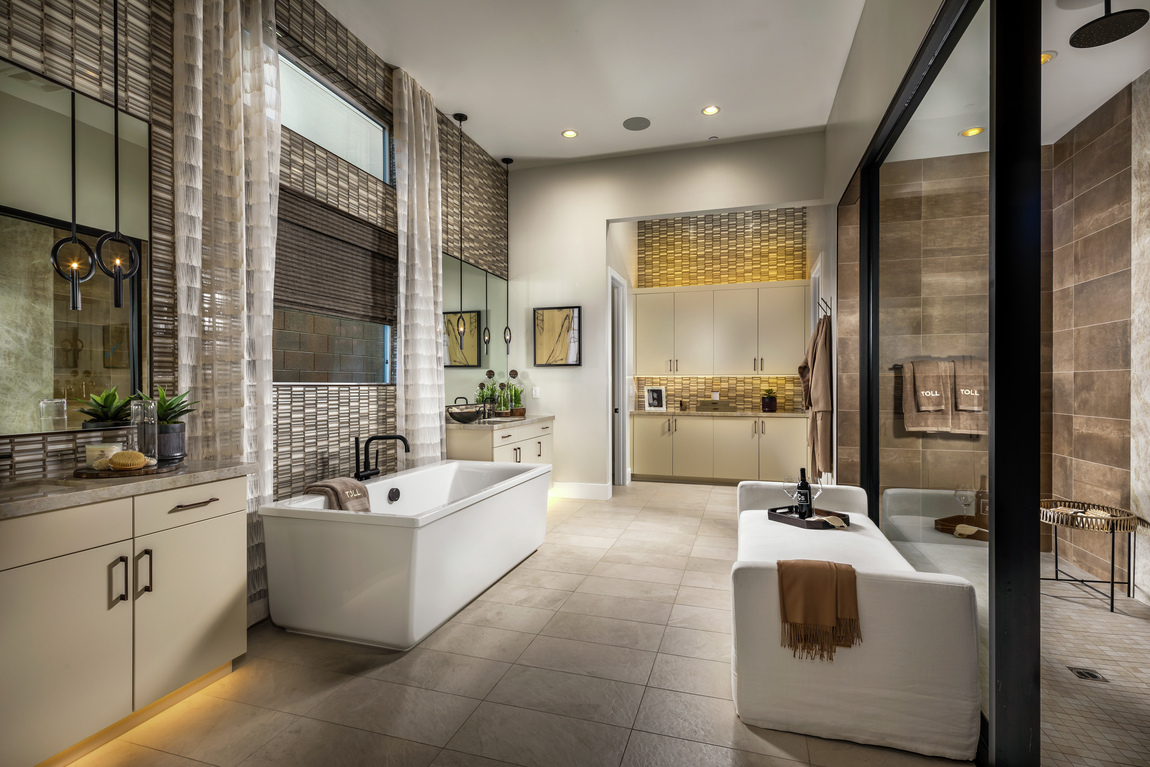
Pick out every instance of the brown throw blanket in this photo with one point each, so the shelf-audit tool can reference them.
(818, 604)
(342, 493)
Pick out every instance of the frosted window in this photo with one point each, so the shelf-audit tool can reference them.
(315, 112)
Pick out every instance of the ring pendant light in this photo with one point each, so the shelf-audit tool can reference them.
(72, 274)
(117, 271)
(461, 324)
(486, 316)
(507, 237)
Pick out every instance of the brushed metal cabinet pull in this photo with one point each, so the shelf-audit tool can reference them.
(755, 430)
(151, 577)
(545, 428)
(540, 453)
(676, 424)
(671, 366)
(762, 365)
(186, 506)
(505, 436)
(754, 363)
(124, 596)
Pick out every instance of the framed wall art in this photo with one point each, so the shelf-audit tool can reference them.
(558, 342)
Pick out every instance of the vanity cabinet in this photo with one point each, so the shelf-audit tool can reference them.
(723, 447)
(651, 438)
(502, 443)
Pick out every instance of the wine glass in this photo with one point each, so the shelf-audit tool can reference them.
(964, 494)
(790, 486)
(816, 483)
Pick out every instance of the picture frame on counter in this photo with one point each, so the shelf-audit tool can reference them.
(655, 398)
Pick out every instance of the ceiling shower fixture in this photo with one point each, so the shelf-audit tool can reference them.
(72, 274)
(507, 292)
(1109, 28)
(117, 271)
(461, 324)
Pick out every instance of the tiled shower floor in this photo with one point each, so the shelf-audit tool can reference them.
(610, 646)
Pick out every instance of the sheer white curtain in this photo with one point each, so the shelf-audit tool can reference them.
(226, 147)
(419, 379)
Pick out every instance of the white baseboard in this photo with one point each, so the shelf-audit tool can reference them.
(583, 491)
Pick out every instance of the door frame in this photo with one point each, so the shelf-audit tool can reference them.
(618, 404)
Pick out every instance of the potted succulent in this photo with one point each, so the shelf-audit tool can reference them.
(516, 391)
(172, 431)
(770, 401)
(104, 410)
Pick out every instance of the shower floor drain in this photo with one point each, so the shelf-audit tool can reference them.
(1087, 673)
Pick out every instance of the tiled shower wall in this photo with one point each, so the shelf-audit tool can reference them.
(744, 391)
(847, 307)
(1091, 189)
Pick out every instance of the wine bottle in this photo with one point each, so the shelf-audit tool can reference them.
(982, 499)
(803, 496)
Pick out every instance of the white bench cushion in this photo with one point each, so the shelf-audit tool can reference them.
(861, 545)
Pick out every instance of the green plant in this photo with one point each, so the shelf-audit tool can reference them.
(768, 392)
(169, 411)
(503, 398)
(105, 407)
(516, 395)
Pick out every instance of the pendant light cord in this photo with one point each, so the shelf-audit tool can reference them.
(115, 104)
(74, 166)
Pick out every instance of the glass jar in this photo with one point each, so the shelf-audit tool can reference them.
(53, 414)
(147, 426)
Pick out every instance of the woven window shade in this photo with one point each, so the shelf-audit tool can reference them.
(330, 263)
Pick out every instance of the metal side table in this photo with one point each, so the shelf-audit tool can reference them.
(1076, 515)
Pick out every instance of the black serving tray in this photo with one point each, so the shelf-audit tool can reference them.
(788, 515)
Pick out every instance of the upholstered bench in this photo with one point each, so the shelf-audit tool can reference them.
(913, 682)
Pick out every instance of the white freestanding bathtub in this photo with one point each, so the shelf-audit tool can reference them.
(392, 576)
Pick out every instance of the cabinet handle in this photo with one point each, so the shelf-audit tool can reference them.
(676, 424)
(545, 428)
(762, 366)
(670, 366)
(505, 436)
(676, 366)
(124, 596)
(151, 578)
(754, 363)
(755, 430)
(186, 506)
(540, 453)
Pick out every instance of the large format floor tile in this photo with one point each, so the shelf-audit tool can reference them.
(310, 743)
(268, 641)
(609, 631)
(525, 596)
(575, 695)
(649, 750)
(478, 641)
(543, 579)
(692, 643)
(693, 675)
(617, 607)
(618, 587)
(281, 686)
(443, 671)
(501, 616)
(121, 753)
(621, 664)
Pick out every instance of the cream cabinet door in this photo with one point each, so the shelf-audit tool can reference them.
(694, 332)
(654, 334)
(782, 329)
(506, 454)
(694, 447)
(651, 445)
(191, 603)
(65, 651)
(536, 450)
(736, 332)
(736, 448)
(782, 447)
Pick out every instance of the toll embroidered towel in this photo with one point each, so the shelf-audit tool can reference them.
(818, 606)
(931, 379)
(969, 384)
(913, 419)
(342, 493)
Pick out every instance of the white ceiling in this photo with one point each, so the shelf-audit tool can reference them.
(525, 70)
(1079, 81)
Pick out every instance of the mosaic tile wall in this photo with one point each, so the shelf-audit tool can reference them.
(484, 201)
(313, 348)
(746, 391)
(316, 427)
(723, 249)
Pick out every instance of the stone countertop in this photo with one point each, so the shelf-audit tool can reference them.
(32, 496)
(495, 424)
(726, 414)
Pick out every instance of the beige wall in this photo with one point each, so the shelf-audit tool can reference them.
(888, 35)
(558, 256)
(26, 333)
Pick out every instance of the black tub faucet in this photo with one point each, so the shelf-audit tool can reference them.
(366, 471)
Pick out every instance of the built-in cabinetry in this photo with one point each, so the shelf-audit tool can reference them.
(720, 447)
(721, 330)
(107, 607)
(503, 442)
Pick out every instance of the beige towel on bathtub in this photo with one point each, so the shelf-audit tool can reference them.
(913, 418)
(342, 493)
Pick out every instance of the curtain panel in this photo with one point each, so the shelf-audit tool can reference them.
(227, 144)
(419, 377)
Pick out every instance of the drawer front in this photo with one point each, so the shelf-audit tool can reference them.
(172, 508)
(36, 537)
(520, 433)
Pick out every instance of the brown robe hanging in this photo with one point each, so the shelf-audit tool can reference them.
(818, 397)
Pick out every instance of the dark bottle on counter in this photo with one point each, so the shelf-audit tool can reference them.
(982, 499)
(803, 497)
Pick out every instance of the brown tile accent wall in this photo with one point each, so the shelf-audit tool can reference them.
(315, 430)
(723, 249)
(745, 391)
(933, 303)
(449, 182)
(1090, 315)
(315, 348)
(847, 312)
(161, 341)
(53, 455)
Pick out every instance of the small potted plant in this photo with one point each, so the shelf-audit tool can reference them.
(172, 431)
(770, 401)
(502, 402)
(105, 410)
(516, 390)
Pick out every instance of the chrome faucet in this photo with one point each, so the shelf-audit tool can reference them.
(366, 471)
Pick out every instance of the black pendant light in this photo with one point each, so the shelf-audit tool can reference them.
(117, 271)
(1109, 28)
(507, 229)
(486, 316)
(460, 325)
(72, 273)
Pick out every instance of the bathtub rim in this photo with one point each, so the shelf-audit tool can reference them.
(280, 509)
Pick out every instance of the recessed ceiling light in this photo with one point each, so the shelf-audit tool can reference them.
(972, 131)
(712, 110)
(1048, 56)
(569, 134)
(636, 123)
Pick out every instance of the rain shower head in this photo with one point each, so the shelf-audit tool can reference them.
(1109, 28)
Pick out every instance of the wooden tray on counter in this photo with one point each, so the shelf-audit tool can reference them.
(786, 515)
(85, 473)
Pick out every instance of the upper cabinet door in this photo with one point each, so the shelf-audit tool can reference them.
(782, 329)
(654, 334)
(736, 332)
(694, 333)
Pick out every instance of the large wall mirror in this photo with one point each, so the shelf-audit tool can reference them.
(485, 295)
(48, 351)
